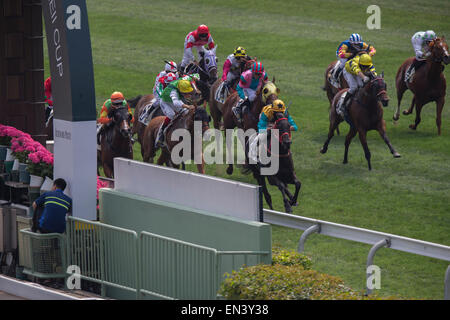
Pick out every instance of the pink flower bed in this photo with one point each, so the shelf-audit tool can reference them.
(26, 150)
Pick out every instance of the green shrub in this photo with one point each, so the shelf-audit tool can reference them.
(288, 278)
(290, 258)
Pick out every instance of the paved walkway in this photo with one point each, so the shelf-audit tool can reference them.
(7, 296)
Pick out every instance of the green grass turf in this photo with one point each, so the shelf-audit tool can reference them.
(296, 40)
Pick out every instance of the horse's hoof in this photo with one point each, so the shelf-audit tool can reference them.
(406, 112)
(397, 155)
(323, 150)
(294, 204)
(230, 170)
(395, 118)
(288, 209)
(412, 127)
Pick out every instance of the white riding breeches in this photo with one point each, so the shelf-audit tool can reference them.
(188, 55)
(168, 109)
(250, 94)
(354, 82)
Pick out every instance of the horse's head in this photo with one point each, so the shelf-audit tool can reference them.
(378, 87)
(121, 119)
(439, 50)
(269, 92)
(284, 130)
(209, 64)
(200, 114)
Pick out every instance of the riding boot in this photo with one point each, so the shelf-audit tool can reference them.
(161, 133)
(237, 110)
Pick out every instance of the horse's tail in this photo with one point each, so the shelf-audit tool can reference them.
(134, 101)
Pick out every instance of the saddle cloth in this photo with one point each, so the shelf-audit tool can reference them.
(221, 93)
(340, 108)
(147, 113)
(335, 83)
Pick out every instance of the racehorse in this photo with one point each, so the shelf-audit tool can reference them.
(215, 107)
(115, 140)
(140, 103)
(285, 173)
(265, 95)
(207, 69)
(365, 113)
(183, 120)
(428, 83)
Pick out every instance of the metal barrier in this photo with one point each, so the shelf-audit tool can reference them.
(165, 268)
(46, 254)
(103, 253)
(374, 238)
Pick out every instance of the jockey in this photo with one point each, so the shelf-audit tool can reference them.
(420, 42)
(48, 97)
(268, 112)
(169, 67)
(172, 102)
(163, 82)
(232, 66)
(355, 73)
(249, 83)
(198, 39)
(117, 100)
(348, 49)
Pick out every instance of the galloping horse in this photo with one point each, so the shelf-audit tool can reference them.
(265, 95)
(183, 120)
(365, 113)
(207, 69)
(116, 140)
(428, 83)
(285, 173)
(215, 107)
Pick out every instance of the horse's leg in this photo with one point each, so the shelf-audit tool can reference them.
(382, 132)
(201, 166)
(348, 140)
(333, 126)
(409, 111)
(419, 105)
(298, 185)
(282, 188)
(439, 106)
(262, 182)
(401, 88)
(363, 139)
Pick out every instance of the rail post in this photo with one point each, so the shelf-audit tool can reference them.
(447, 284)
(305, 235)
(373, 250)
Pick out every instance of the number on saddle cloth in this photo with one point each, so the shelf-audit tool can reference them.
(147, 113)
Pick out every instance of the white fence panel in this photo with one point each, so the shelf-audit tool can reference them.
(197, 191)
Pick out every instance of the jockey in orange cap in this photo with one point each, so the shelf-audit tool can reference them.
(117, 100)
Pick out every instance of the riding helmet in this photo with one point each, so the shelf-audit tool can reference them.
(239, 52)
(170, 67)
(365, 60)
(185, 86)
(117, 97)
(355, 38)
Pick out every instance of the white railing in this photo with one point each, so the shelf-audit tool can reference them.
(374, 238)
